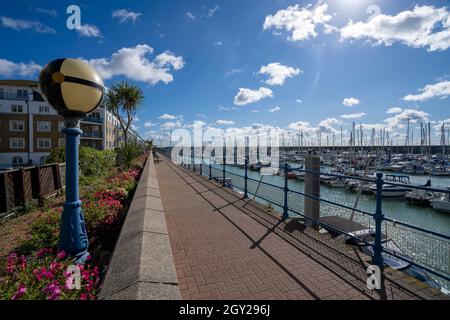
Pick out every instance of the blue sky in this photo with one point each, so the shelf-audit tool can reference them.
(297, 65)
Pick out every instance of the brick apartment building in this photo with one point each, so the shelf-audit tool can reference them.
(30, 127)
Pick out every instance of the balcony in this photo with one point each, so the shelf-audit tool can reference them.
(12, 96)
(93, 119)
(92, 134)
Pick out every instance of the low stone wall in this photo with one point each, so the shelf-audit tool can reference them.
(142, 266)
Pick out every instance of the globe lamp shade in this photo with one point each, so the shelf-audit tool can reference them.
(71, 86)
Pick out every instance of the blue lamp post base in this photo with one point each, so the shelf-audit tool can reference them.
(73, 236)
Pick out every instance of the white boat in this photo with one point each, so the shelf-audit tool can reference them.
(442, 203)
(440, 172)
(391, 190)
(397, 168)
(337, 183)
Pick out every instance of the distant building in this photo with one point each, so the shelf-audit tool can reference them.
(30, 127)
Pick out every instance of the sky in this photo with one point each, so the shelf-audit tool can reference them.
(301, 66)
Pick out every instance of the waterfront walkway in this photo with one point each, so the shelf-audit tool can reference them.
(225, 247)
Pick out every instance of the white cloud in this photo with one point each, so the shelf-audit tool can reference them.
(171, 125)
(168, 58)
(350, 102)
(400, 119)
(124, 15)
(89, 30)
(440, 89)
(299, 101)
(274, 109)
(353, 115)
(301, 21)
(225, 122)
(134, 64)
(218, 43)
(11, 69)
(149, 124)
(51, 13)
(166, 116)
(278, 73)
(136, 119)
(20, 24)
(246, 96)
(232, 72)
(394, 110)
(222, 108)
(213, 11)
(326, 126)
(190, 16)
(424, 26)
(255, 111)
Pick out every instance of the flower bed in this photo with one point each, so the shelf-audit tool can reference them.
(38, 271)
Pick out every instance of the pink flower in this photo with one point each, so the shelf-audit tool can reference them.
(61, 254)
(21, 290)
(83, 296)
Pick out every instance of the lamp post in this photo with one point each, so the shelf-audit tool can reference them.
(73, 88)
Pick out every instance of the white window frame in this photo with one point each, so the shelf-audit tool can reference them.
(11, 144)
(40, 122)
(46, 109)
(61, 142)
(17, 107)
(39, 140)
(17, 157)
(18, 123)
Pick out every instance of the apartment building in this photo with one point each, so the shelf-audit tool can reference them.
(30, 128)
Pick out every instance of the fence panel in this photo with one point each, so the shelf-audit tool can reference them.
(19, 186)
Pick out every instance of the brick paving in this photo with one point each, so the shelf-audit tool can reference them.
(225, 247)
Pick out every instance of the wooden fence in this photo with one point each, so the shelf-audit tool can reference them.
(20, 186)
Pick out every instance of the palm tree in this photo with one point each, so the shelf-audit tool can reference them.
(123, 100)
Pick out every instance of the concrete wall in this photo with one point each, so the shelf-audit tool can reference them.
(142, 266)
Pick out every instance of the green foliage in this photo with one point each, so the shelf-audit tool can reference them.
(37, 271)
(93, 162)
(128, 154)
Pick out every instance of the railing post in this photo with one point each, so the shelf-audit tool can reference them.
(246, 178)
(312, 190)
(210, 169)
(285, 192)
(377, 258)
(224, 162)
(193, 162)
(201, 166)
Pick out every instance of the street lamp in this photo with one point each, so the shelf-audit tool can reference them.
(73, 88)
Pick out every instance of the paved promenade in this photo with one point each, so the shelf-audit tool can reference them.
(225, 247)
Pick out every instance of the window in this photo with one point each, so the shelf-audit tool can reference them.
(44, 126)
(43, 160)
(17, 143)
(44, 143)
(61, 142)
(17, 160)
(16, 125)
(22, 93)
(16, 108)
(44, 109)
(61, 126)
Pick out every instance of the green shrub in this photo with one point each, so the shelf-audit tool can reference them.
(127, 155)
(93, 163)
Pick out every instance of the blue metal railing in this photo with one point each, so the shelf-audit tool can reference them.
(378, 218)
